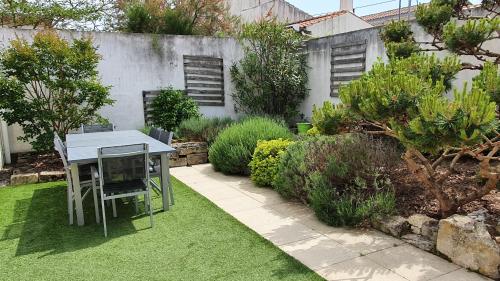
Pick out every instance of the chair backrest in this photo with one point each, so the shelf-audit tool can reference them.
(96, 128)
(155, 133)
(166, 137)
(61, 148)
(121, 164)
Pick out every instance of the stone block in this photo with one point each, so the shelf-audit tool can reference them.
(424, 225)
(23, 178)
(186, 148)
(49, 176)
(395, 225)
(178, 162)
(468, 243)
(198, 158)
(420, 242)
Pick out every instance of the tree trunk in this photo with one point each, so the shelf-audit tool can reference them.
(449, 205)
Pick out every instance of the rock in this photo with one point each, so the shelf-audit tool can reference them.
(51, 176)
(497, 239)
(424, 225)
(420, 241)
(178, 162)
(186, 148)
(479, 215)
(467, 243)
(198, 158)
(395, 225)
(23, 178)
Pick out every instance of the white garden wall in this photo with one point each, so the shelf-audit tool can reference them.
(131, 64)
(319, 60)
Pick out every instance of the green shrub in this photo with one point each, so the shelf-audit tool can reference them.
(203, 129)
(343, 177)
(265, 160)
(233, 148)
(291, 173)
(330, 119)
(349, 178)
(171, 107)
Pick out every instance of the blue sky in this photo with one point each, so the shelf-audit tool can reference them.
(315, 7)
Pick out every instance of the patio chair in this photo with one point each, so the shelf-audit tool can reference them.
(155, 133)
(96, 128)
(155, 165)
(124, 172)
(85, 180)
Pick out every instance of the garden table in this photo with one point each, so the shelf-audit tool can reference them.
(82, 149)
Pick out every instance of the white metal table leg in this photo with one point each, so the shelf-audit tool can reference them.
(165, 180)
(75, 176)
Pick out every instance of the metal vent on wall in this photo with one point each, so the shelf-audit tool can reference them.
(204, 80)
(348, 63)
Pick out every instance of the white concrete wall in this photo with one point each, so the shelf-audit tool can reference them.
(341, 24)
(254, 10)
(320, 58)
(319, 61)
(130, 65)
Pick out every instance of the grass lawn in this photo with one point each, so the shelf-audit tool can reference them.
(193, 241)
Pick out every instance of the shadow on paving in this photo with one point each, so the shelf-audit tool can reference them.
(41, 224)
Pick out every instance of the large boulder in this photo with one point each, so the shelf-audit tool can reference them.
(467, 243)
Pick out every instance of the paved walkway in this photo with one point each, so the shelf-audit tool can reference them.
(334, 253)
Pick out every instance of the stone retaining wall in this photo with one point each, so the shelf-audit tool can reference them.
(464, 240)
(189, 153)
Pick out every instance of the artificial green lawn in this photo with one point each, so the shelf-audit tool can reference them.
(193, 241)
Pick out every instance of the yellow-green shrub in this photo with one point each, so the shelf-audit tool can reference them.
(265, 160)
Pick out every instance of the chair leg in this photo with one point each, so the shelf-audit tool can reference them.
(136, 205)
(104, 216)
(96, 202)
(113, 203)
(150, 207)
(70, 204)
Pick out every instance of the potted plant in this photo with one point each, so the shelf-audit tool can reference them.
(303, 125)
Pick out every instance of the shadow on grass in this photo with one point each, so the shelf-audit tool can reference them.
(41, 224)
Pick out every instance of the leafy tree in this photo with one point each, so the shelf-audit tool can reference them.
(453, 27)
(185, 17)
(50, 86)
(68, 14)
(272, 77)
(412, 108)
(172, 107)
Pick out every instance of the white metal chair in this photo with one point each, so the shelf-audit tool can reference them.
(155, 165)
(124, 172)
(96, 128)
(86, 179)
(155, 133)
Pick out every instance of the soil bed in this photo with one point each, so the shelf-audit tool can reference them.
(413, 198)
(30, 162)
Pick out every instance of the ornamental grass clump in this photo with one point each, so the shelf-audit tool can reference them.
(233, 148)
(265, 160)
